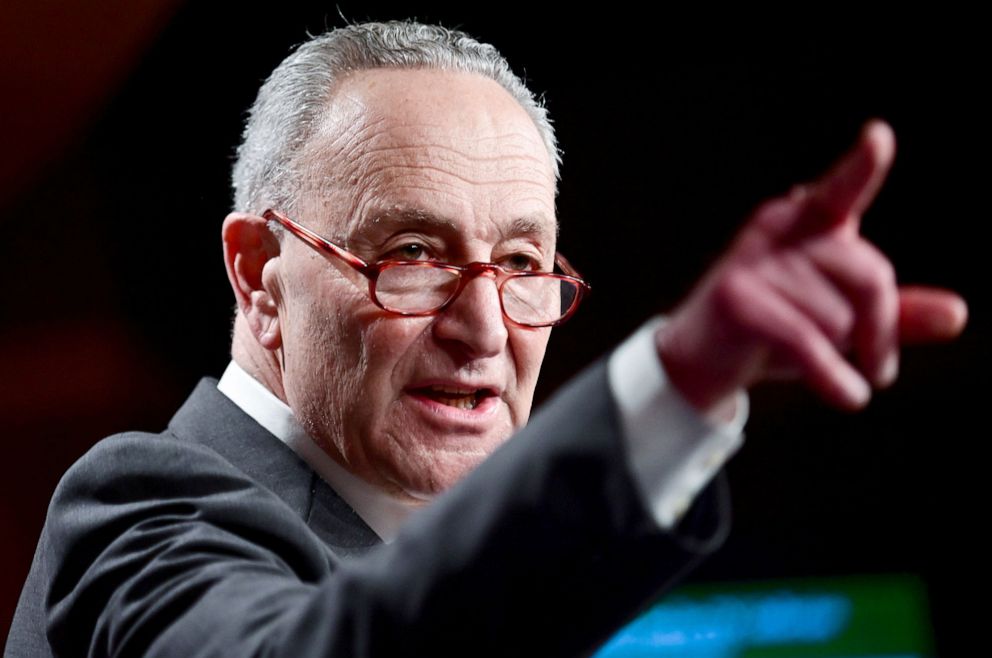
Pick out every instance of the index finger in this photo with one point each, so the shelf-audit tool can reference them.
(842, 195)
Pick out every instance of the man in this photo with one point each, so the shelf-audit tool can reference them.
(391, 255)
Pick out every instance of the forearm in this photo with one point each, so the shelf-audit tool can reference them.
(550, 525)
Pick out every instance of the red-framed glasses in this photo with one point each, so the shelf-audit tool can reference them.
(424, 287)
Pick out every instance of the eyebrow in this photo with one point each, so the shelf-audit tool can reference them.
(536, 225)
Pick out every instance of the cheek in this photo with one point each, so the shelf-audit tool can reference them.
(391, 349)
(325, 364)
(328, 322)
(529, 346)
(324, 360)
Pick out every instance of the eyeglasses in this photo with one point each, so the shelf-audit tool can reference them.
(424, 287)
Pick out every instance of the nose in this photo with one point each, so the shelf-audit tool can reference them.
(474, 320)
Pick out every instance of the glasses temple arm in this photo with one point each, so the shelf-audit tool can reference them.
(315, 241)
(566, 267)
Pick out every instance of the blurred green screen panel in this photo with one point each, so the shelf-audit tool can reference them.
(855, 617)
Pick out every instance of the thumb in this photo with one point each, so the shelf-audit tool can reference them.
(928, 315)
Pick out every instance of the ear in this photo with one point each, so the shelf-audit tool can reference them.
(248, 247)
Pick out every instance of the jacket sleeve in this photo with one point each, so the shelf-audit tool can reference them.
(156, 547)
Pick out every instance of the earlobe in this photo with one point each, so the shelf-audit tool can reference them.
(249, 247)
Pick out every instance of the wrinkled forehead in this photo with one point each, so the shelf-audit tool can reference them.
(442, 144)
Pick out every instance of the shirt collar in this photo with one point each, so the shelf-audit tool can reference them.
(383, 513)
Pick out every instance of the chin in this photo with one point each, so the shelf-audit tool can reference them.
(441, 474)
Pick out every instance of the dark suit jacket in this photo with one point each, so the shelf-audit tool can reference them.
(214, 538)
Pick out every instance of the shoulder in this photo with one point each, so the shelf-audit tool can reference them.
(135, 478)
(134, 475)
(141, 514)
(138, 464)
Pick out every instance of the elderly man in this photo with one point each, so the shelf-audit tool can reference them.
(393, 259)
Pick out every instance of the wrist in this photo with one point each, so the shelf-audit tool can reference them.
(700, 388)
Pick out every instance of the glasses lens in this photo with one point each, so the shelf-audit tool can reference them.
(415, 287)
(538, 299)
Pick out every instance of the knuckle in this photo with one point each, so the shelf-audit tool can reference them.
(878, 275)
(730, 293)
(843, 323)
(838, 324)
(885, 274)
(880, 279)
(799, 191)
(775, 215)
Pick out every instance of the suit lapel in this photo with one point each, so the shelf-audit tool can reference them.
(338, 525)
(210, 418)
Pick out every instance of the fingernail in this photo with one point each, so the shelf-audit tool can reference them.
(890, 370)
(856, 388)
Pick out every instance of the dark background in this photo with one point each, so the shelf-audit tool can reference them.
(120, 120)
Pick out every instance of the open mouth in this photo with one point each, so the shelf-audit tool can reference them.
(459, 398)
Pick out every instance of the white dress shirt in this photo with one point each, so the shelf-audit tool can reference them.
(672, 451)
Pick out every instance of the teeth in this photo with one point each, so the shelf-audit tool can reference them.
(462, 403)
(453, 391)
(459, 398)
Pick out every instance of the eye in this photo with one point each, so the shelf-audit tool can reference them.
(409, 251)
(521, 263)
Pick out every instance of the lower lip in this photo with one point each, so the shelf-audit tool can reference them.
(480, 415)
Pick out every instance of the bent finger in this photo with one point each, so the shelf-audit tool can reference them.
(799, 345)
(868, 279)
(794, 277)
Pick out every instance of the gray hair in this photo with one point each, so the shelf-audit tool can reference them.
(291, 103)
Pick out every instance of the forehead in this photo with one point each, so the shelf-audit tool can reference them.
(436, 144)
